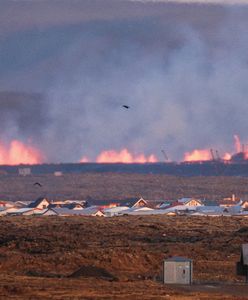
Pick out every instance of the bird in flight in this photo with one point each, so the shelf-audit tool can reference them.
(126, 106)
(37, 183)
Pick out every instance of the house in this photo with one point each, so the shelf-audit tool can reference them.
(44, 212)
(190, 202)
(210, 202)
(244, 205)
(31, 212)
(92, 211)
(137, 210)
(21, 204)
(141, 202)
(6, 204)
(74, 205)
(115, 211)
(210, 210)
(136, 202)
(70, 204)
(4, 212)
(56, 204)
(22, 212)
(89, 211)
(144, 211)
(179, 210)
(165, 204)
(107, 205)
(40, 203)
(233, 210)
(64, 211)
(83, 203)
(228, 203)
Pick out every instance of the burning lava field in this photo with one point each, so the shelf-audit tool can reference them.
(119, 258)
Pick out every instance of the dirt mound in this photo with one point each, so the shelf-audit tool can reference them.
(92, 271)
(243, 230)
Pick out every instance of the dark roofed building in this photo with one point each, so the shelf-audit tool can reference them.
(40, 203)
(140, 202)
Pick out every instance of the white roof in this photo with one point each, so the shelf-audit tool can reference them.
(142, 208)
(21, 210)
(40, 211)
(67, 212)
(115, 209)
(135, 210)
(181, 208)
(5, 211)
(148, 212)
(80, 212)
(90, 210)
(183, 200)
(198, 214)
(213, 209)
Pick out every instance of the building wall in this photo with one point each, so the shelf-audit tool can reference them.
(177, 272)
(193, 203)
(43, 204)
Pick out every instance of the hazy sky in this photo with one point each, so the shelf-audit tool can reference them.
(182, 68)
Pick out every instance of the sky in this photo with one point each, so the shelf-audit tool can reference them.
(225, 2)
(67, 67)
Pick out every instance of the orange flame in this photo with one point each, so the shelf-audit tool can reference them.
(84, 159)
(197, 155)
(122, 156)
(19, 153)
(227, 156)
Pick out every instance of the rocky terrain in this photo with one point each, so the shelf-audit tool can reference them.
(118, 258)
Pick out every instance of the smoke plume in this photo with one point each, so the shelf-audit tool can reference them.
(182, 69)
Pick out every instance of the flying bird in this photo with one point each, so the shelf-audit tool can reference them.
(37, 183)
(126, 106)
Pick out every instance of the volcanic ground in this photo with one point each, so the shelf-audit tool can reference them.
(119, 257)
(120, 186)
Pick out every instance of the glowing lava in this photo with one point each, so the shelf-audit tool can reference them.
(122, 156)
(84, 159)
(197, 155)
(19, 153)
(227, 156)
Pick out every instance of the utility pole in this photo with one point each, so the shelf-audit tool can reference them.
(165, 155)
(212, 154)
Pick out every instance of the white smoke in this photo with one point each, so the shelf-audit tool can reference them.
(183, 73)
